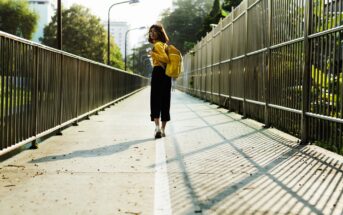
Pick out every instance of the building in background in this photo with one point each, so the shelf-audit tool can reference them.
(45, 9)
(118, 30)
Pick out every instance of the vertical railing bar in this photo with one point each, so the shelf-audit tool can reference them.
(300, 5)
(56, 76)
(16, 49)
(332, 75)
(275, 27)
(245, 61)
(77, 103)
(60, 115)
(280, 81)
(231, 63)
(89, 87)
(330, 65)
(24, 69)
(9, 94)
(50, 89)
(299, 76)
(335, 85)
(289, 15)
(34, 97)
(311, 120)
(325, 72)
(20, 94)
(14, 91)
(306, 75)
(338, 13)
(43, 90)
(332, 69)
(5, 93)
(339, 87)
(2, 106)
(288, 82)
(329, 82)
(326, 8)
(29, 94)
(14, 94)
(281, 23)
(321, 71)
(292, 21)
(269, 66)
(220, 60)
(211, 68)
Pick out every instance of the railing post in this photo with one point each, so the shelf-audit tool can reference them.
(267, 70)
(212, 66)
(78, 97)
(89, 90)
(230, 63)
(219, 61)
(245, 61)
(35, 99)
(59, 131)
(306, 73)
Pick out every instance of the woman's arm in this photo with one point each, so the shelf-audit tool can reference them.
(159, 53)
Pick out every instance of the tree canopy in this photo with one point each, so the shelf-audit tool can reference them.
(183, 24)
(17, 18)
(228, 4)
(192, 19)
(83, 35)
(213, 17)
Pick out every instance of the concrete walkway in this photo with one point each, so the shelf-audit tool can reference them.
(211, 162)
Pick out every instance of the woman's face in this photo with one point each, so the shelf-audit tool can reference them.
(153, 34)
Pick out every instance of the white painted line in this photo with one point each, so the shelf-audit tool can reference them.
(162, 197)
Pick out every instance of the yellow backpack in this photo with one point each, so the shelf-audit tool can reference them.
(174, 66)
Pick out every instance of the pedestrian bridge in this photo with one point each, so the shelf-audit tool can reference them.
(211, 162)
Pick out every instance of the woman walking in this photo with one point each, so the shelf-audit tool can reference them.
(160, 82)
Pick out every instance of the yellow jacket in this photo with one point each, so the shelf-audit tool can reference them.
(159, 55)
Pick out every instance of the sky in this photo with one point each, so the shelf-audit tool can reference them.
(144, 13)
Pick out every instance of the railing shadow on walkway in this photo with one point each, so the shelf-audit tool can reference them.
(96, 152)
(276, 175)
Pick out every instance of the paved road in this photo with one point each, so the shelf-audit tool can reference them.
(211, 162)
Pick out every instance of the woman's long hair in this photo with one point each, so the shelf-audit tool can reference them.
(161, 33)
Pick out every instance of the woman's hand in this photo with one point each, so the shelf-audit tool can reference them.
(149, 52)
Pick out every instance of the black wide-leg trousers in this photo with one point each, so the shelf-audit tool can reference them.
(160, 94)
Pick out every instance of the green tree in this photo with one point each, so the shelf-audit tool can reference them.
(183, 23)
(228, 4)
(83, 35)
(16, 18)
(213, 17)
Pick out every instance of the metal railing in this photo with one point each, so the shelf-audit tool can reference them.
(277, 61)
(43, 89)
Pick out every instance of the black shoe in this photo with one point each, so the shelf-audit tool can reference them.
(158, 133)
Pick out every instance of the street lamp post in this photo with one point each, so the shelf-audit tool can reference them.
(143, 27)
(109, 25)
